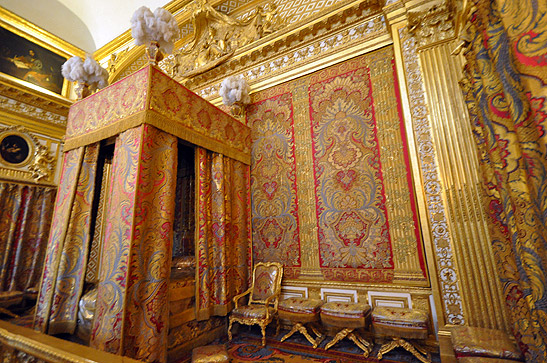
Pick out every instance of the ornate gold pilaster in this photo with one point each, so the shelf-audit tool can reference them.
(406, 258)
(458, 167)
(436, 234)
(309, 243)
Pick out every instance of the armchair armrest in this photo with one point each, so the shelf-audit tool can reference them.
(267, 304)
(237, 297)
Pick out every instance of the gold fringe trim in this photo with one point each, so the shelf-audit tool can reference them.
(116, 128)
(163, 123)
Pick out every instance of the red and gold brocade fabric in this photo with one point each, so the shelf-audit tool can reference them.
(319, 194)
(505, 90)
(25, 220)
(149, 96)
(66, 256)
(224, 241)
(349, 187)
(132, 306)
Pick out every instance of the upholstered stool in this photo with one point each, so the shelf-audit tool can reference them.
(401, 324)
(210, 354)
(483, 342)
(348, 316)
(299, 312)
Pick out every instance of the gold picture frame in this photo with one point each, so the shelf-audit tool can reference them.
(32, 57)
(16, 148)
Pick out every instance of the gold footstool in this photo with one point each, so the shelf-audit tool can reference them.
(348, 316)
(401, 324)
(301, 312)
(210, 354)
(482, 342)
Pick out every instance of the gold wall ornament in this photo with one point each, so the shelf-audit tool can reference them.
(154, 53)
(23, 157)
(43, 164)
(217, 36)
(433, 25)
(82, 90)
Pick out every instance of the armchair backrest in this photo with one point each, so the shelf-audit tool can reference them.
(266, 281)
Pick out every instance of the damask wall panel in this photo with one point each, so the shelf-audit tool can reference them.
(275, 222)
(332, 192)
(352, 223)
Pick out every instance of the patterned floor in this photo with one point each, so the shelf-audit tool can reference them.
(246, 348)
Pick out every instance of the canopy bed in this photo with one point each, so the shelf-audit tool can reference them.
(151, 173)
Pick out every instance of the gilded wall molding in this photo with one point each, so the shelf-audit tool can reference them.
(30, 111)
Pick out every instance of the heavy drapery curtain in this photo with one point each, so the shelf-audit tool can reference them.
(25, 219)
(68, 246)
(132, 308)
(223, 226)
(504, 85)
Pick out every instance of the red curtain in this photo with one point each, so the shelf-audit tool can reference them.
(132, 310)
(25, 219)
(68, 246)
(223, 242)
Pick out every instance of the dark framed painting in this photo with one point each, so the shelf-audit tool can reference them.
(30, 62)
(15, 149)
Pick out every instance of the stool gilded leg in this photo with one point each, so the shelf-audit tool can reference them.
(423, 356)
(348, 332)
(320, 336)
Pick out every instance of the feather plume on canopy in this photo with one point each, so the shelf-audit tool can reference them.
(159, 26)
(89, 72)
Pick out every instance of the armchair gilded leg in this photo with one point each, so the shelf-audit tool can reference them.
(230, 330)
(263, 328)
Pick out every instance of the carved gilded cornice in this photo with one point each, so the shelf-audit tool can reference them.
(332, 37)
(49, 110)
(433, 25)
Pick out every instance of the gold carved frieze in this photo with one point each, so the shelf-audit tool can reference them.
(433, 25)
(218, 36)
(26, 103)
(327, 40)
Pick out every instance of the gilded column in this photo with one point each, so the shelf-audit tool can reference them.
(407, 269)
(458, 167)
(436, 234)
(309, 244)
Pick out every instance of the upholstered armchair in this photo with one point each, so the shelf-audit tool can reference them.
(263, 299)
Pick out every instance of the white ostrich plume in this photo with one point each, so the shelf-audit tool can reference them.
(235, 89)
(89, 71)
(159, 26)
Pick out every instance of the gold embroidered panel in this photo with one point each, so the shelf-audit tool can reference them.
(332, 193)
(150, 96)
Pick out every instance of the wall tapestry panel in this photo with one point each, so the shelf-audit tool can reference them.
(352, 223)
(273, 182)
(332, 193)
